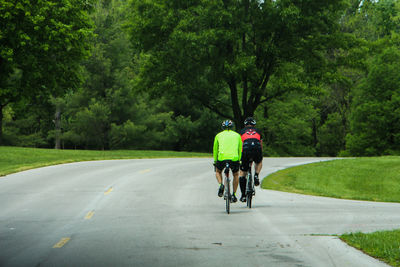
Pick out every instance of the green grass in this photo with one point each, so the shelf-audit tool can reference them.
(374, 179)
(383, 245)
(15, 159)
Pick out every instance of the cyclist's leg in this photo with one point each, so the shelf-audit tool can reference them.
(235, 181)
(235, 171)
(242, 183)
(244, 167)
(242, 180)
(258, 166)
(218, 175)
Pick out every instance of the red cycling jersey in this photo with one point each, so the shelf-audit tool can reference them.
(250, 133)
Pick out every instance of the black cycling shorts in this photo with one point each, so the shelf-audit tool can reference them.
(220, 165)
(250, 155)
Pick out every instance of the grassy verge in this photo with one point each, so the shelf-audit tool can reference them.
(383, 245)
(15, 159)
(375, 179)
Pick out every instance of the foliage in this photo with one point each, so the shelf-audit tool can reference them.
(220, 52)
(288, 129)
(41, 47)
(331, 135)
(127, 135)
(376, 117)
(92, 123)
(320, 78)
(112, 110)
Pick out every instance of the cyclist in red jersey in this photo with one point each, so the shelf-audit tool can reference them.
(252, 150)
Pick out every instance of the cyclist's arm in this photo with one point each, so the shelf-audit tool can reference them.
(261, 138)
(240, 147)
(215, 149)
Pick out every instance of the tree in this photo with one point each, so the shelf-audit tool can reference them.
(348, 67)
(374, 115)
(288, 129)
(375, 120)
(135, 119)
(92, 124)
(223, 53)
(43, 42)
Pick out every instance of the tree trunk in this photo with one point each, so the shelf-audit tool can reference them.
(237, 114)
(57, 122)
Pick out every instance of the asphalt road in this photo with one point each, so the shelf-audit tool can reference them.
(165, 212)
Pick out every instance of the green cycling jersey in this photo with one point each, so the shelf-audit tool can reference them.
(227, 146)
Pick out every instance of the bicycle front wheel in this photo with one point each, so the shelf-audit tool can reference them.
(228, 197)
(228, 205)
(249, 190)
(248, 199)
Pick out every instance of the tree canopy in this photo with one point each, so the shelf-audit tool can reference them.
(223, 54)
(321, 78)
(41, 47)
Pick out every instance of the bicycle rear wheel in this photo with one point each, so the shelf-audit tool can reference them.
(249, 190)
(228, 198)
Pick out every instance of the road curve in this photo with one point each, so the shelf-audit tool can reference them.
(165, 212)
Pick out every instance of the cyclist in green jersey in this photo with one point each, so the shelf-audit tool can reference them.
(227, 146)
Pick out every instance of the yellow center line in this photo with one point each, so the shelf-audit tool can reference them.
(108, 191)
(144, 171)
(62, 242)
(89, 215)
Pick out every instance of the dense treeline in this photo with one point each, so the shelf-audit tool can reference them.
(321, 78)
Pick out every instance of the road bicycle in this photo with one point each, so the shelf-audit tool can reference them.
(250, 190)
(227, 184)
